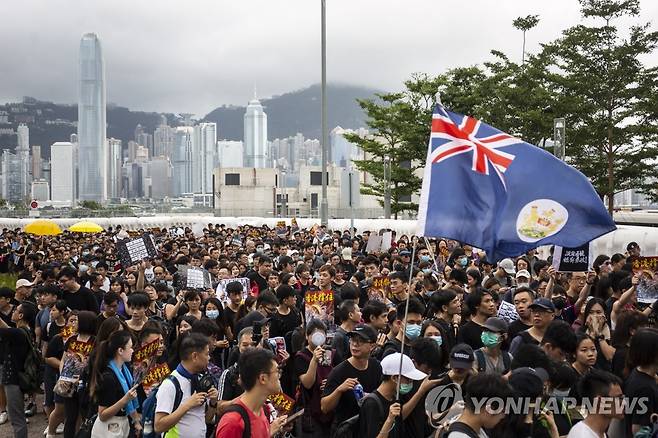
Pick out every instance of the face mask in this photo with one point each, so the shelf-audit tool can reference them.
(83, 268)
(412, 331)
(429, 293)
(85, 253)
(212, 314)
(424, 258)
(463, 262)
(259, 250)
(561, 393)
(522, 284)
(318, 338)
(405, 388)
(427, 271)
(438, 340)
(490, 339)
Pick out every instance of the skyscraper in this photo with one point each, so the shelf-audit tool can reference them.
(11, 177)
(37, 162)
(62, 175)
(163, 139)
(182, 160)
(23, 157)
(114, 166)
(255, 135)
(204, 157)
(91, 121)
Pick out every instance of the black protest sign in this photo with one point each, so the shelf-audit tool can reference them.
(135, 250)
(573, 259)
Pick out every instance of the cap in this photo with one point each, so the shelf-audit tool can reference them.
(365, 332)
(461, 356)
(632, 245)
(23, 282)
(405, 253)
(346, 254)
(528, 381)
(523, 273)
(496, 325)
(543, 304)
(507, 265)
(484, 261)
(391, 367)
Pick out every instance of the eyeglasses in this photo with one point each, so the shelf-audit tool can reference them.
(358, 341)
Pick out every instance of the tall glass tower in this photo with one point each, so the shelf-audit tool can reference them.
(91, 121)
(255, 135)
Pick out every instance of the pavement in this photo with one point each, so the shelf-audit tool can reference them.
(36, 426)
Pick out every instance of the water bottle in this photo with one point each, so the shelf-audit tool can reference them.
(358, 392)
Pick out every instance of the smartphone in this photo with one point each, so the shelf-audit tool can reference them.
(293, 417)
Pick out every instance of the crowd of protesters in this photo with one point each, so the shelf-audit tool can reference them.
(436, 319)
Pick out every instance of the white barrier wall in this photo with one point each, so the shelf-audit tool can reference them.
(646, 237)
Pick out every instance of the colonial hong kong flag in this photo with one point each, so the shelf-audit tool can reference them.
(501, 194)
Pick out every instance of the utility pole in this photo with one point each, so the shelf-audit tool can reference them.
(324, 204)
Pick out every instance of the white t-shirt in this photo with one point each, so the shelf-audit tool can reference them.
(482, 434)
(581, 430)
(193, 423)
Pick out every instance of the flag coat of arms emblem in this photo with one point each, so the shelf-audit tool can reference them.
(496, 192)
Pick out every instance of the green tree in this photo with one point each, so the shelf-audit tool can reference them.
(91, 205)
(524, 24)
(608, 97)
(400, 123)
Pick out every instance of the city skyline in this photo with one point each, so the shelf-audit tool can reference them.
(216, 57)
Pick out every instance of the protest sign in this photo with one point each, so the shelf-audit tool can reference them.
(135, 250)
(282, 403)
(197, 278)
(374, 243)
(387, 238)
(144, 358)
(573, 259)
(67, 332)
(221, 289)
(281, 229)
(647, 288)
(507, 311)
(155, 375)
(293, 225)
(379, 289)
(75, 359)
(319, 305)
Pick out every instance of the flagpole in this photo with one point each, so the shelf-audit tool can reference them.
(406, 311)
(429, 248)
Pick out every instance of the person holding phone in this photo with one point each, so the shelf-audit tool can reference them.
(116, 392)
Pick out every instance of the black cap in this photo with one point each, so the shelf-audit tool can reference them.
(632, 245)
(365, 332)
(543, 304)
(461, 356)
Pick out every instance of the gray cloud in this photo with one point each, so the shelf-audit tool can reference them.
(192, 56)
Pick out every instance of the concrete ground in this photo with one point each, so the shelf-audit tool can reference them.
(36, 426)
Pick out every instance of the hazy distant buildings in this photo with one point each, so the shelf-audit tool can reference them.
(114, 168)
(255, 136)
(160, 173)
(163, 139)
(204, 157)
(23, 157)
(342, 152)
(36, 163)
(62, 176)
(91, 121)
(182, 160)
(230, 153)
(40, 190)
(11, 177)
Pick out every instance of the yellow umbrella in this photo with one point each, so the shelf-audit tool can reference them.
(43, 227)
(86, 227)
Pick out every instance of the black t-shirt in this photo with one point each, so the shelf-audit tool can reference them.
(229, 318)
(83, 299)
(640, 385)
(55, 347)
(391, 346)
(13, 351)
(619, 362)
(470, 333)
(229, 388)
(311, 397)
(282, 324)
(373, 415)
(370, 378)
(109, 391)
(255, 277)
(248, 320)
(517, 327)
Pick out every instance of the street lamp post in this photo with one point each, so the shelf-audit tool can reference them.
(324, 205)
(387, 187)
(284, 204)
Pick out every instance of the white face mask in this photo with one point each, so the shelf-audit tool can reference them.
(561, 392)
(318, 338)
(522, 284)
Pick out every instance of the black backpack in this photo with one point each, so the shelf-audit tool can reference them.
(246, 433)
(30, 378)
(462, 428)
(350, 428)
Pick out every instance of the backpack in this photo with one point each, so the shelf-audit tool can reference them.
(246, 433)
(148, 408)
(350, 428)
(482, 363)
(29, 380)
(461, 428)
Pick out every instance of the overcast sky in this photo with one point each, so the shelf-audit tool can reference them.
(194, 55)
